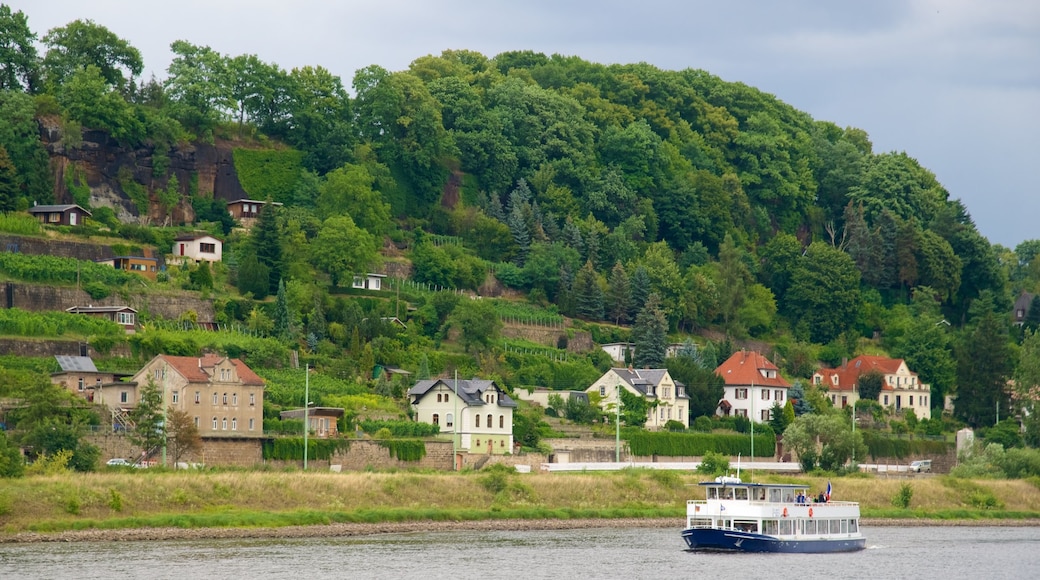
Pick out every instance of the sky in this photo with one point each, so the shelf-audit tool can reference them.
(953, 83)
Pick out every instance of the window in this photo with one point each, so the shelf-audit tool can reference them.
(478, 425)
(234, 423)
(436, 419)
(196, 422)
(449, 420)
(225, 398)
(176, 396)
(125, 318)
(924, 401)
(223, 424)
(214, 398)
(489, 424)
(251, 423)
(234, 398)
(157, 374)
(817, 379)
(740, 412)
(666, 393)
(54, 217)
(198, 397)
(80, 383)
(844, 401)
(501, 421)
(438, 397)
(911, 400)
(765, 394)
(741, 393)
(124, 397)
(886, 399)
(205, 248)
(778, 395)
(214, 423)
(765, 415)
(478, 442)
(252, 399)
(603, 391)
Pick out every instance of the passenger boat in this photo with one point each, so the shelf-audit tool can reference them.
(770, 517)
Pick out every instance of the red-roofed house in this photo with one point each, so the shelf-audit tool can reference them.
(753, 385)
(901, 389)
(224, 397)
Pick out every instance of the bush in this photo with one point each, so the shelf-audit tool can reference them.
(702, 424)
(902, 499)
(713, 464)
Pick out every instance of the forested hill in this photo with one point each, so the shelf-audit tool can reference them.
(587, 186)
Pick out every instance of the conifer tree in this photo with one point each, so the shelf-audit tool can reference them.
(650, 335)
(282, 317)
(268, 245)
(639, 291)
(8, 182)
(588, 295)
(619, 294)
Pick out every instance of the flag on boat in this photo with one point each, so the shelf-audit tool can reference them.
(828, 496)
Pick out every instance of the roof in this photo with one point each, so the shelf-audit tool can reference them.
(76, 364)
(243, 200)
(746, 368)
(198, 369)
(642, 379)
(312, 412)
(848, 373)
(57, 208)
(470, 391)
(194, 236)
(97, 309)
(133, 258)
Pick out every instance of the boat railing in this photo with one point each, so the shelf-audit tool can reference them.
(779, 503)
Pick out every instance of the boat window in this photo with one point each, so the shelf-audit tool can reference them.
(786, 527)
(713, 493)
(835, 526)
(853, 526)
(727, 493)
(723, 523)
(774, 494)
(844, 526)
(742, 493)
(770, 527)
(810, 527)
(746, 525)
(761, 494)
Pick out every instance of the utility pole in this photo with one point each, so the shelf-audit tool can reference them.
(455, 426)
(164, 429)
(306, 406)
(617, 426)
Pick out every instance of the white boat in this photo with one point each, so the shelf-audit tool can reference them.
(770, 517)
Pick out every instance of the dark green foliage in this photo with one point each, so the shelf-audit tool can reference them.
(870, 384)
(267, 244)
(881, 446)
(268, 173)
(647, 443)
(902, 499)
(253, 277)
(703, 386)
(405, 449)
(588, 294)
(983, 365)
(702, 424)
(1007, 433)
(291, 448)
(55, 270)
(21, 323)
(213, 210)
(650, 335)
(9, 190)
(11, 462)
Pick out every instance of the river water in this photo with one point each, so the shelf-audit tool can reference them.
(948, 553)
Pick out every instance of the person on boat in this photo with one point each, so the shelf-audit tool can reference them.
(821, 499)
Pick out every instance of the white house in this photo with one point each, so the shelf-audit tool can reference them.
(369, 281)
(901, 388)
(476, 412)
(654, 385)
(753, 386)
(197, 248)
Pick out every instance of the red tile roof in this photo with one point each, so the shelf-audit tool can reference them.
(848, 373)
(199, 369)
(744, 368)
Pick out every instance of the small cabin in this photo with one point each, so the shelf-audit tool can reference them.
(369, 281)
(197, 248)
(246, 211)
(147, 267)
(60, 215)
(322, 421)
(121, 315)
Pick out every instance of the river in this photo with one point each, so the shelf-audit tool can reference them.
(949, 553)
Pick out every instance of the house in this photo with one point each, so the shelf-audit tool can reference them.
(79, 376)
(121, 315)
(322, 422)
(1021, 309)
(620, 352)
(540, 396)
(147, 267)
(669, 401)
(196, 248)
(60, 215)
(246, 211)
(900, 389)
(222, 395)
(484, 413)
(752, 386)
(369, 281)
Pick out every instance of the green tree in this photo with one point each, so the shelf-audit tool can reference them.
(837, 442)
(20, 135)
(984, 364)
(88, 100)
(634, 408)
(349, 190)
(266, 240)
(19, 63)
(704, 388)
(796, 395)
(9, 192)
(197, 86)
(283, 319)
(11, 462)
(345, 249)
(82, 43)
(588, 294)
(618, 294)
(183, 436)
(732, 282)
(149, 432)
(1027, 386)
(650, 335)
(824, 292)
(477, 323)
(253, 277)
(870, 384)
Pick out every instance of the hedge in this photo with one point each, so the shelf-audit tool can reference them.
(647, 443)
(405, 449)
(291, 448)
(400, 428)
(880, 445)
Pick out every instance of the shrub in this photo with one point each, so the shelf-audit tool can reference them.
(713, 464)
(702, 424)
(903, 497)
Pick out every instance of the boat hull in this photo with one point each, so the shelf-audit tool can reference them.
(714, 540)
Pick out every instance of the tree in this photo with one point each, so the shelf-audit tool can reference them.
(704, 388)
(477, 323)
(82, 43)
(834, 433)
(183, 438)
(634, 408)
(283, 324)
(9, 192)
(640, 290)
(88, 100)
(733, 280)
(349, 190)
(824, 292)
(588, 294)
(266, 241)
(19, 64)
(253, 277)
(197, 86)
(870, 384)
(796, 395)
(618, 294)
(11, 462)
(984, 364)
(20, 135)
(149, 431)
(650, 335)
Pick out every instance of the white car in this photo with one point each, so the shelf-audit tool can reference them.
(923, 466)
(117, 461)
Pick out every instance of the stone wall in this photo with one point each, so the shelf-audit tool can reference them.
(224, 452)
(48, 247)
(43, 348)
(36, 298)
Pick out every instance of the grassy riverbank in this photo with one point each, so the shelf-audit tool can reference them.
(196, 500)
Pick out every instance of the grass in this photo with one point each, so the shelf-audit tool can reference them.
(111, 500)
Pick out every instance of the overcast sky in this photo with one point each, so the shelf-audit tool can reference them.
(953, 83)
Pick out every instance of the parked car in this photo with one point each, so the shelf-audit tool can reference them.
(922, 466)
(117, 461)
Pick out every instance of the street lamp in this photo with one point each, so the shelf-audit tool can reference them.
(617, 425)
(306, 406)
